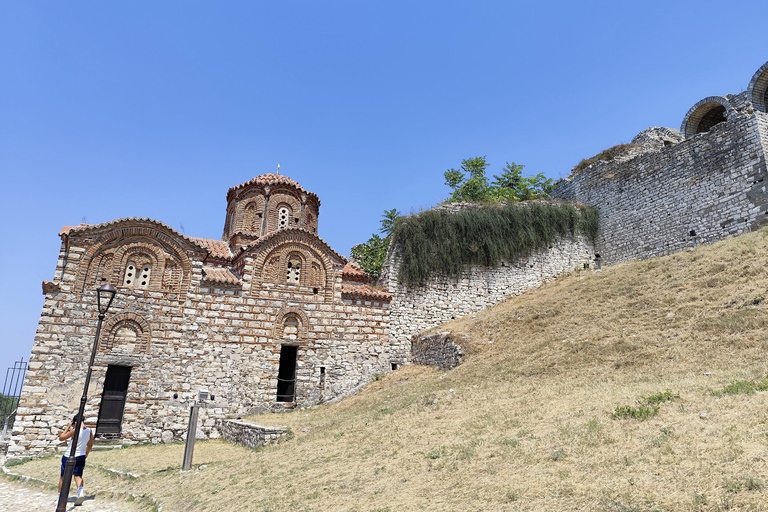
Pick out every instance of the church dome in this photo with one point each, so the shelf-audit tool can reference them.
(268, 203)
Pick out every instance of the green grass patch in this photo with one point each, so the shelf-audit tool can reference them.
(646, 407)
(439, 242)
(742, 387)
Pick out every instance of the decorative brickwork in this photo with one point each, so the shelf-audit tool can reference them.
(200, 314)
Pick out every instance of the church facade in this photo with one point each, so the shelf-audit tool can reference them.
(268, 318)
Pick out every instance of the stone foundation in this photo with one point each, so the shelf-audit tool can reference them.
(437, 349)
(249, 434)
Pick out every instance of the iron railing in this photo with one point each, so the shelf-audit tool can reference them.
(9, 398)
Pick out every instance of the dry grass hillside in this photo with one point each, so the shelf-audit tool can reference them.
(637, 388)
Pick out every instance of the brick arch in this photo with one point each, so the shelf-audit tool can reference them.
(249, 215)
(319, 262)
(163, 246)
(277, 201)
(283, 315)
(757, 92)
(110, 341)
(704, 115)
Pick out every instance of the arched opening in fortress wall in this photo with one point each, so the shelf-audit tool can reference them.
(758, 89)
(704, 115)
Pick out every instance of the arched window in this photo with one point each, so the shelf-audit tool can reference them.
(294, 270)
(130, 274)
(291, 327)
(137, 276)
(283, 217)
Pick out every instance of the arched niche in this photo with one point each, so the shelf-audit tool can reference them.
(291, 324)
(125, 334)
(108, 261)
(757, 92)
(704, 115)
(277, 265)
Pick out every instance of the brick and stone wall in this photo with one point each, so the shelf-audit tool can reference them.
(204, 319)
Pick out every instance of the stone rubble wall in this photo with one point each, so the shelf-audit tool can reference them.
(713, 183)
(437, 349)
(249, 434)
(417, 308)
(221, 340)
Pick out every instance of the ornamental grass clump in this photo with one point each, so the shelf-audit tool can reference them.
(440, 242)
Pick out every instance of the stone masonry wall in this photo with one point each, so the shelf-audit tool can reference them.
(219, 339)
(415, 309)
(713, 184)
(436, 349)
(249, 434)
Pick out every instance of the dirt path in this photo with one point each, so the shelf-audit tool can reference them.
(17, 497)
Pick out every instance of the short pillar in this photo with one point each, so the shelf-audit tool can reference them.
(189, 446)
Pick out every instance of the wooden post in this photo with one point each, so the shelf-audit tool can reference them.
(189, 446)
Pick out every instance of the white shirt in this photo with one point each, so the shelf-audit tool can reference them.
(82, 443)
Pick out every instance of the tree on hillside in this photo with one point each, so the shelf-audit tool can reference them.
(371, 254)
(470, 184)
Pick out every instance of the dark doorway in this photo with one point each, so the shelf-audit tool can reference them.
(286, 376)
(113, 401)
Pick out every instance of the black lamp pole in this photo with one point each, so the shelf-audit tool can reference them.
(105, 292)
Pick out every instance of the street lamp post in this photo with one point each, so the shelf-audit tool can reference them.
(104, 295)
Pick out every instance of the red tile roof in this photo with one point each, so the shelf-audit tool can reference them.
(274, 179)
(352, 272)
(220, 275)
(280, 232)
(216, 248)
(364, 291)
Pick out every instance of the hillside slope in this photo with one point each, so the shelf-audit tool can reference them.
(529, 421)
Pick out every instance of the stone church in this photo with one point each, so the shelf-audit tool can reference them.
(268, 318)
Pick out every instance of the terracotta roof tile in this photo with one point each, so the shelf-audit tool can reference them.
(274, 179)
(364, 291)
(352, 272)
(220, 275)
(216, 248)
(266, 238)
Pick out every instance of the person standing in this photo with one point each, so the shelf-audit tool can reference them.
(84, 446)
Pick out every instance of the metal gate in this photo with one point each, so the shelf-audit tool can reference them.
(9, 398)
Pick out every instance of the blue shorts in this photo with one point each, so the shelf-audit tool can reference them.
(79, 465)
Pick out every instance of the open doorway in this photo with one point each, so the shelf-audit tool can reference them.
(286, 375)
(113, 401)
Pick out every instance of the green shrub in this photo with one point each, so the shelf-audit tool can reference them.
(439, 242)
(646, 407)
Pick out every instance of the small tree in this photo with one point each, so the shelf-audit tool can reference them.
(370, 255)
(470, 184)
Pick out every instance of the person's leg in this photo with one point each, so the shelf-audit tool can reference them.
(79, 481)
(61, 477)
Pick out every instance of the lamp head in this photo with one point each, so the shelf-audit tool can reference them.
(104, 295)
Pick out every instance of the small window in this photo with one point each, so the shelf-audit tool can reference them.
(283, 215)
(130, 274)
(294, 272)
(142, 280)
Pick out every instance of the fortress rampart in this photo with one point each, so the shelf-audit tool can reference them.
(705, 182)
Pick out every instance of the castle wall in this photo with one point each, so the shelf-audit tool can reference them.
(219, 338)
(414, 309)
(712, 183)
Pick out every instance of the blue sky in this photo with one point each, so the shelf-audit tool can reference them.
(155, 109)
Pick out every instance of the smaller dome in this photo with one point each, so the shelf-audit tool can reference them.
(271, 179)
